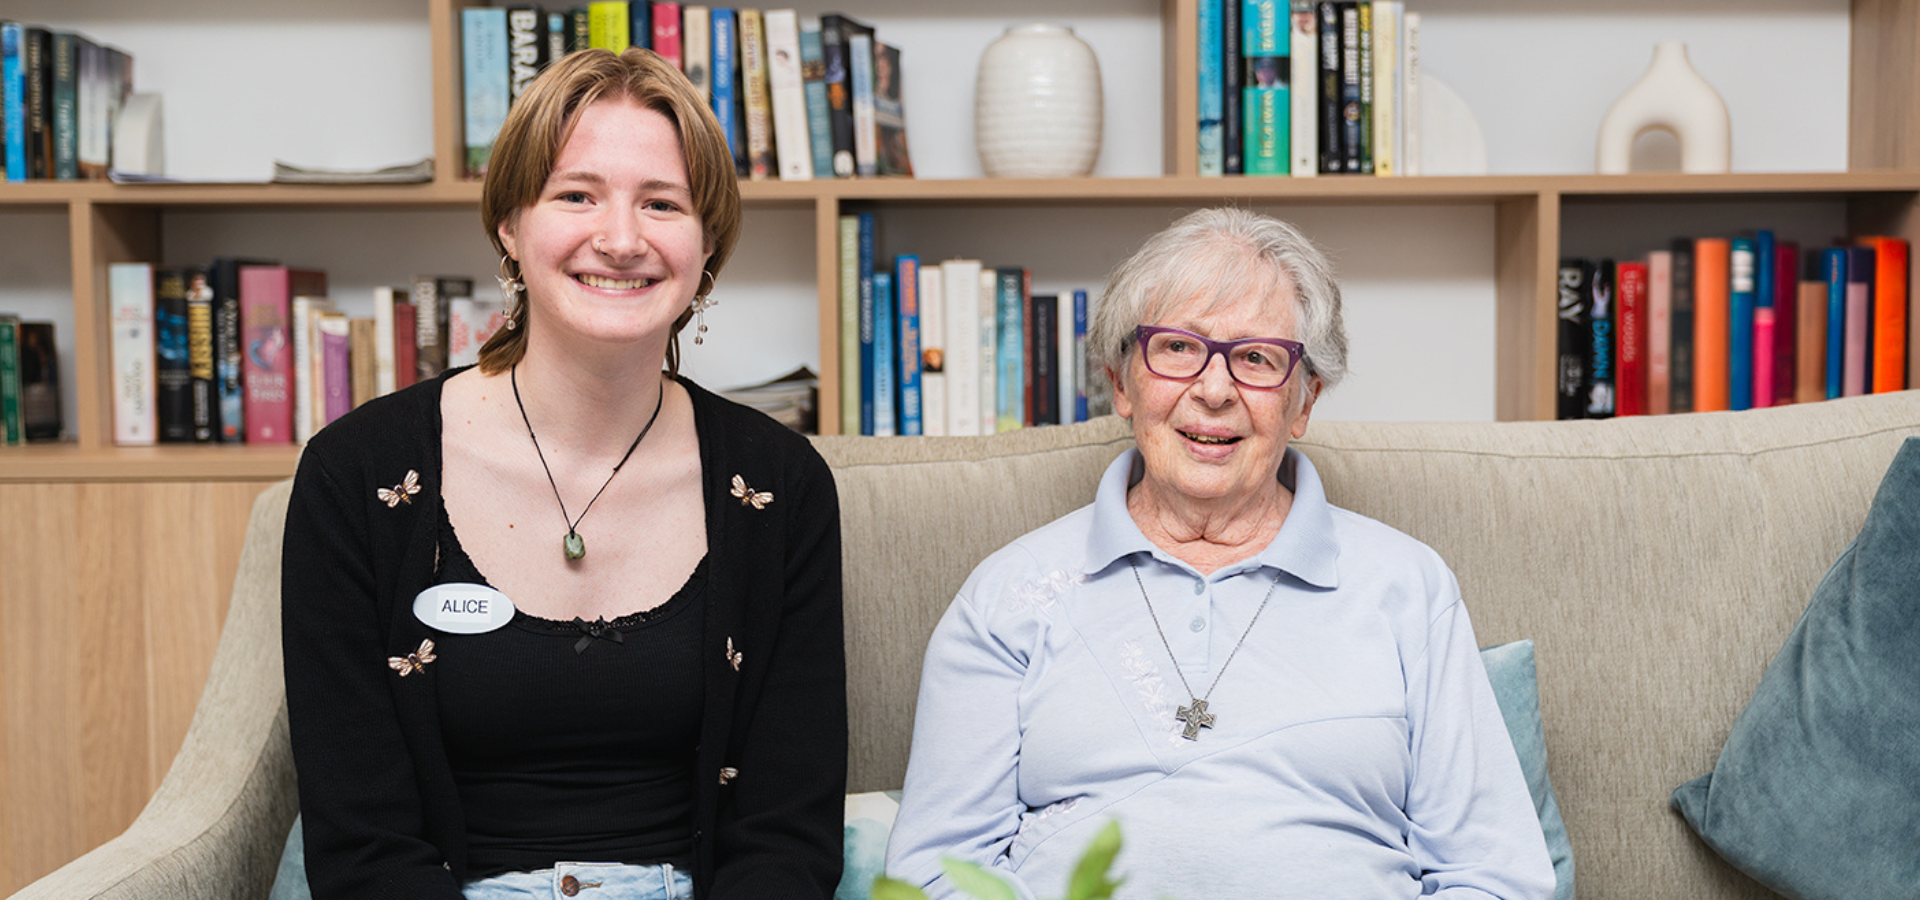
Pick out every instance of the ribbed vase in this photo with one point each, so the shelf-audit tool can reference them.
(1037, 104)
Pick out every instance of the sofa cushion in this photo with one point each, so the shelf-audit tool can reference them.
(1815, 790)
(1515, 687)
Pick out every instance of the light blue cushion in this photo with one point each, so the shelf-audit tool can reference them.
(1510, 669)
(1817, 791)
(290, 882)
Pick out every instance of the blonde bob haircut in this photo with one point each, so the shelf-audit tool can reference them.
(543, 118)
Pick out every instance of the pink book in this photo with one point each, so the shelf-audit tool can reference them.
(666, 33)
(1853, 380)
(1762, 356)
(266, 354)
(1659, 332)
(1786, 319)
(336, 366)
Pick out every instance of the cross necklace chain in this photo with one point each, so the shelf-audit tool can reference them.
(1195, 714)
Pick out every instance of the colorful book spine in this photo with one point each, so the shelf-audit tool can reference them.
(1080, 373)
(1659, 332)
(1232, 70)
(170, 350)
(866, 144)
(886, 352)
(1786, 292)
(1211, 84)
(1302, 90)
(696, 47)
(793, 146)
(725, 90)
(1680, 345)
(1043, 359)
(556, 37)
(906, 282)
(1742, 290)
(64, 101)
(960, 292)
(933, 351)
(866, 370)
(431, 326)
(813, 78)
(1351, 147)
(1265, 41)
(890, 113)
(835, 32)
(229, 363)
(1572, 289)
(131, 352)
(336, 364)
(1602, 375)
(607, 26)
(1860, 283)
(1630, 354)
(640, 24)
(10, 425)
(1010, 362)
(13, 86)
(206, 408)
(666, 33)
(1365, 10)
(406, 355)
(1711, 261)
(1331, 84)
(526, 48)
(850, 227)
(483, 36)
(1833, 271)
(1890, 314)
(761, 164)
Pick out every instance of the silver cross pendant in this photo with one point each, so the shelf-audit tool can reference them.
(1196, 717)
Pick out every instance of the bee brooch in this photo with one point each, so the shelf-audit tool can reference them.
(402, 492)
(748, 496)
(413, 662)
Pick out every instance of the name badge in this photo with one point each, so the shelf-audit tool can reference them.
(463, 608)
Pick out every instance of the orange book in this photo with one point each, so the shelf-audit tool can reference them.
(1810, 362)
(1889, 314)
(1710, 299)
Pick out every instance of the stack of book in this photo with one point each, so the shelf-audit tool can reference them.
(1308, 88)
(954, 348)
(29, 382)
(62, 93)
(246, 351)
(1731, 324)
(797, 101)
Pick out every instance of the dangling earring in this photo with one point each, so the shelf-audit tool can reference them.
(510, 288)
(701, 304)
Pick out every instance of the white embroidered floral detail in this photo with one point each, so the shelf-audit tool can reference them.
(1159, 701)
(1039, 593)
(1031, 818)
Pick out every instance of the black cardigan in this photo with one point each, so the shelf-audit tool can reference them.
(380, 810)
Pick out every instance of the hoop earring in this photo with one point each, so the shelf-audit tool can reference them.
(702, 303)
(510, 288)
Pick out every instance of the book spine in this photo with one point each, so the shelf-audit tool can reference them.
(1063, 368)
(336, 364)
(265, 308)
(1009, 356)
(696, 46)
(1080, 373)
(171, 365)
(640, 24)
(1711, 274)
(1303, 40)
(1330, 103)
(761, 164)
(579, 29)
(1232, 70)
(813, 77)
(360, 352)
(131, 353)
(431, 322)
(1833, 268)
(65, 104)
(1860, 278)
(1265, 42)
(10, 424)
(406, 356)
(1211, 81)
(526, 48)
(459, 292)
(886, 368)
(383, 344)
(792, 141)
(833, 49)
(607, 26)
(960, 292)
(666, 34)
(1351, 148)
(1602, 375)
(866, 370)
(301, 329)
(228, 363)
(1045, 353)
(1786, 294)
(1810, 376)
(1410, 94)
(206, 410)
(1681, 345)
(40, 416)
(906, 281)
(1630, 398)
(1386, 63)
(37, 58)
(889, 113)
(557, 36)
(866, 152)
(1890, 315)
(483, 35)
(461, 349)
(725, 91)
(989, 288)
(850, 324)
(1740, 304)
(933, 351)
(1760, 390)
(13, 87)
(1030, 385)
(1364, 8)
(1570, 373)
(1659, 332)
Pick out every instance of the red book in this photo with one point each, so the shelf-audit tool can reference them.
(266, 345)
(405, 351)
(666, 33)
(1786, 294)
(1889, 314)
(1711, 259)
(1630, 339)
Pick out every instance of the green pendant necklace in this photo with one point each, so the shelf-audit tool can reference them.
(572, 544)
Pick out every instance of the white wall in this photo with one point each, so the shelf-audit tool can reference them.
(346, 83)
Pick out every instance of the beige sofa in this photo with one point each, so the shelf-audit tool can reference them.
(1657, 563)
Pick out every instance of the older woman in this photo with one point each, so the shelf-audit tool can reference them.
(1275, 697)
(565, 623)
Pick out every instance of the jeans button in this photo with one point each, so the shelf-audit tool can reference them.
(569, 885)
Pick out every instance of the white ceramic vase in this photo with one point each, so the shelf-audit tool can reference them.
(1674, 96)
(1037, 104)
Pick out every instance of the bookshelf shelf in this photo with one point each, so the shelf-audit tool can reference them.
(68, 462)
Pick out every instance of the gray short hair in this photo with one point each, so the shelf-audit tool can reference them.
(1230, 255)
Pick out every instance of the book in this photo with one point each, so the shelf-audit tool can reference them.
(933, 356)
(1410, 93)
(849, 280)
(813, 77)
(725, 66)
(906, 356)
(754, 86)
(1630, 337)
(384, 300)
(36, 63)
(579, 29)
(886, 354)
(432, 322)
(40, 415)
(1330, 101)
(1365, 32)
(266, 311)
(1043, 355)
(889, 113)
(696, 53)
(960, 292)
(172, 370)
(1211, 85)
(1080, 373)
(1711, 259)
(1573, 331)
(1265, 42)
(526, 48)
(63, 103)
(1786, 294)
(1601, 376)
(866, 134)
(1659, 332)
(640, 24)
(1889, 314)
(607, 25)
(485, 82)
(1810, 337)
(1861, 264)
(406, 355)
(1760, 389)
(1680, 344)
(1833, 270)
(835, 32)
(557, 37)
(13, 87)
(1386, 74)
(988, 351)
(1010, 358)
(471, 322)
(206, 410)
(863, 275)
(1351, 148)
(309, 370)
(10, 426)
(229, 363)
(793, 147)
(336, 367)
(360, 352)
(131, 353)
(1303, 39)
(666, 33)
(1232, 70)
(1741, 289)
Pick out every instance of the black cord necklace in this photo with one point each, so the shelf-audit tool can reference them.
(575, 547)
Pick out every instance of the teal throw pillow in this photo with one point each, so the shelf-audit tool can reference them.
(1516, 688)
(290, 883)
(1816, 790)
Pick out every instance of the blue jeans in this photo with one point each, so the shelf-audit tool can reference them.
(586, 881)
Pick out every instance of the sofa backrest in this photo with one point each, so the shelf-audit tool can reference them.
(1657, 563)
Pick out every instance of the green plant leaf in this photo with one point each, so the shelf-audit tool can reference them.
(975, 880)
(885, 888)
(1090, 874)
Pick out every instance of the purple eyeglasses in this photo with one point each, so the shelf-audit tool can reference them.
(1261, 363)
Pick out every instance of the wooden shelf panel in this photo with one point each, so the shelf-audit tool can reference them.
(67, 462)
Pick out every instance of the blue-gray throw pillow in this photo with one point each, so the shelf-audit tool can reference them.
(1817, 791)
(290, 882)
(1515, 686)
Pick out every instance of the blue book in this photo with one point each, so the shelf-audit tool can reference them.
(1833, 270)
(483, 57)
(813, 80)
(640, 24)
(1740, 298)
(1212, 151)
(1079, 356)
(885, 372)
(13, 83)
(906, 280)
(866, 323)
(726, 64)
(1265, 46)
(1010, 358)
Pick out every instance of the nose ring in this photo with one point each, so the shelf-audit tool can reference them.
(596, 244)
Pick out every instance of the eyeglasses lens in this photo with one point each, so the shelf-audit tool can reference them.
(1254, 364)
